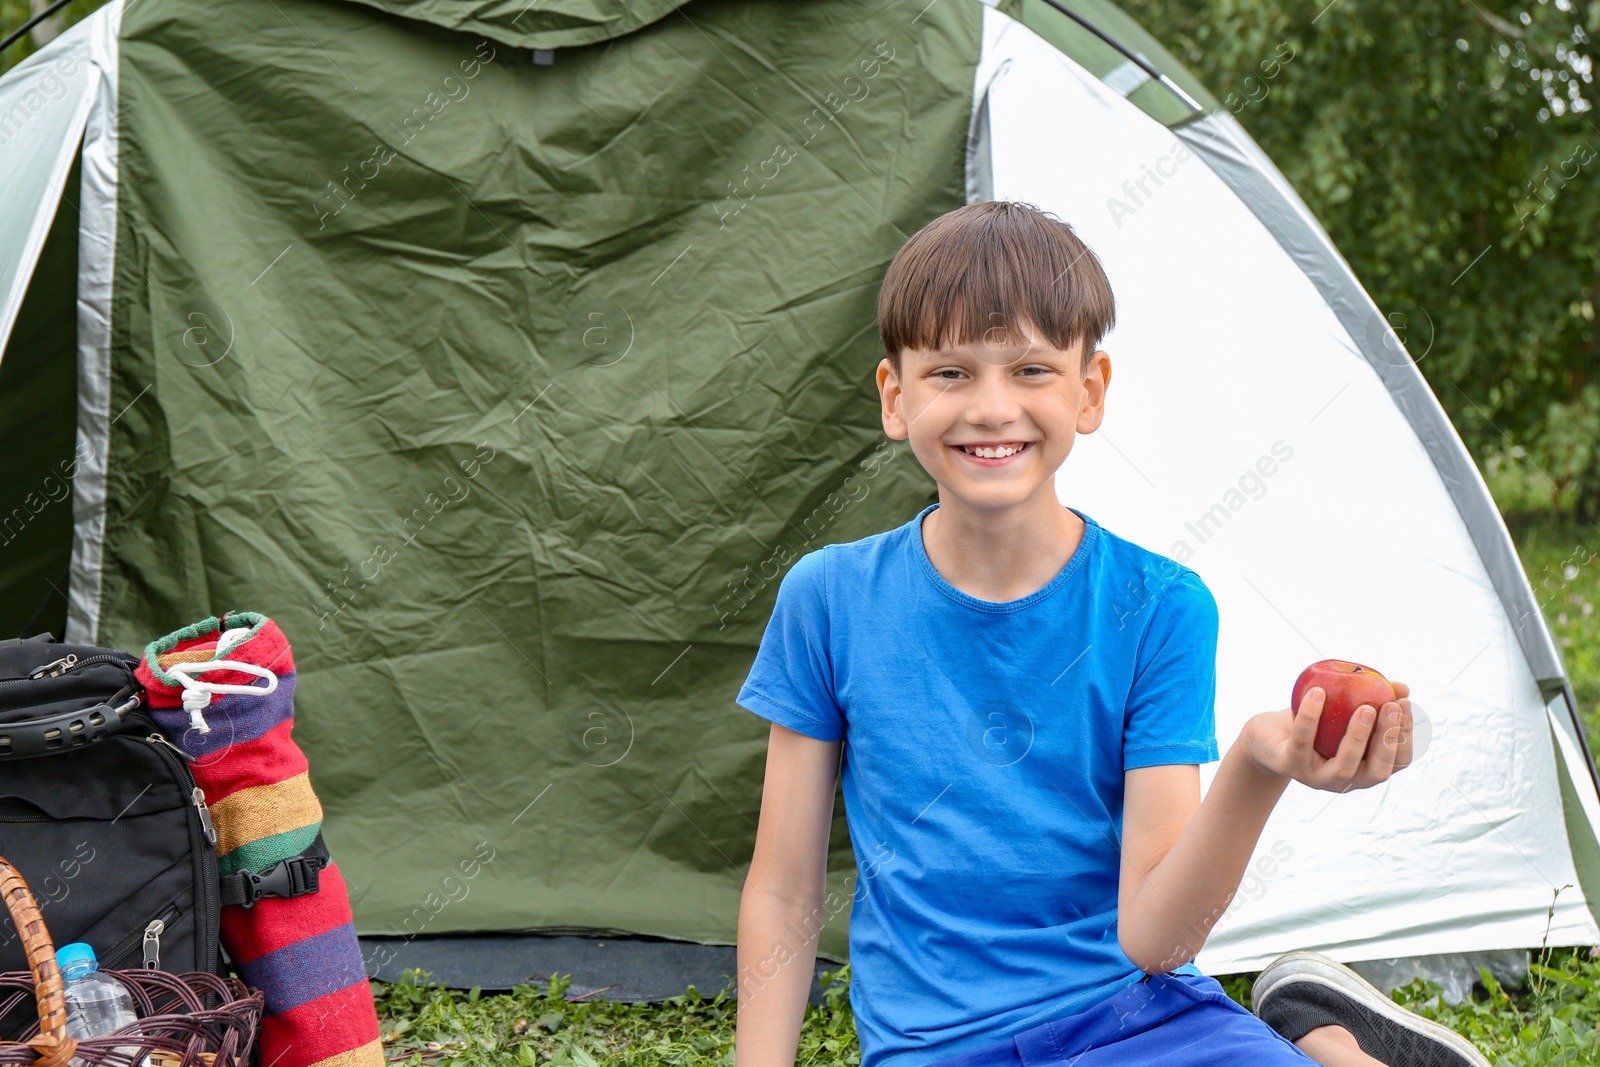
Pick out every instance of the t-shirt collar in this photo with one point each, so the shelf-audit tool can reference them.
(1091, 535)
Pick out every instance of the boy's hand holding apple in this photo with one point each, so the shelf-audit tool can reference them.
(1377, 742)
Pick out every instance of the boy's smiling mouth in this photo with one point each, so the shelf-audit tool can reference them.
(992, 453)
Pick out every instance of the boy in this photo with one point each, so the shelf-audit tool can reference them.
(1020, 735)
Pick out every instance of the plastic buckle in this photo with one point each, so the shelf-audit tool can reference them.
(292, 877)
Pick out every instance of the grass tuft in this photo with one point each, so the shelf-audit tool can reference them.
(1552, 1020)
(425, 1024)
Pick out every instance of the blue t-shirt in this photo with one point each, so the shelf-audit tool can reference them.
(984, 750)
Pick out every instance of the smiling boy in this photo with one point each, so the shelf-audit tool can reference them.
(1020, 736)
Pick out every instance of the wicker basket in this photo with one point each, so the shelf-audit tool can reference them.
(176, 1027)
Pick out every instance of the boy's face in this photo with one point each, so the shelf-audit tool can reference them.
(992, 422)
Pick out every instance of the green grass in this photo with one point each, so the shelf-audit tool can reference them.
(1562, 559)
(431, 1025)
(1551, 1020)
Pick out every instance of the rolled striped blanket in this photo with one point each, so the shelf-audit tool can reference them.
(235, 723)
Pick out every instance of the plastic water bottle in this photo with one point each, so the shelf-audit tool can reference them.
(97, 1003)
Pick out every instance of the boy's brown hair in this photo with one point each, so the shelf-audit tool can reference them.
(975, 272)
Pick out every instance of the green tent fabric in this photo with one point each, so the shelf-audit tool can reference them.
(543, 25)
(480, 378)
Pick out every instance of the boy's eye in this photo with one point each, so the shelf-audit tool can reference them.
(951, 374)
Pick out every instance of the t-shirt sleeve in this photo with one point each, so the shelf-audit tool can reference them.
(1171, 711)
(791, 681)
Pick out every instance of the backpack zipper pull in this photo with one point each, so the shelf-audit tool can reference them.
(196, 796)
(199, 800)
(160, 739)
(56, 669)
(152, 944)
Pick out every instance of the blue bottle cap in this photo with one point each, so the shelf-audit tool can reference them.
(78, 952)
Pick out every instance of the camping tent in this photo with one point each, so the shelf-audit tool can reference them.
(507, 354)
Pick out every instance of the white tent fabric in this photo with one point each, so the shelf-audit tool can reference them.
(1248, 437)
(44, 104)
(56, 103)
(97, 255)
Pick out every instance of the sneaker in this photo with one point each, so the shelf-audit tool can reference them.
(1304, 990)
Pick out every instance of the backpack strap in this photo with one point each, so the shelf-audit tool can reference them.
(292, 877)
(67, 731)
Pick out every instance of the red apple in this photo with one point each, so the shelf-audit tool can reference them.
(1345, 686)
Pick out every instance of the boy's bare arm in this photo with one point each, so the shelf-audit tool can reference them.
(782, 904)
(1182, 859)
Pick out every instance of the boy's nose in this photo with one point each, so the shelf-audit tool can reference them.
(993, 403)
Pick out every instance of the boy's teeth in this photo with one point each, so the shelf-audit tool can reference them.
(994, 453)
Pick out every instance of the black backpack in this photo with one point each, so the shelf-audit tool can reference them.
(100, 814)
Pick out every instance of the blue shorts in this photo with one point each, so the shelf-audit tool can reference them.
(1165, 1020)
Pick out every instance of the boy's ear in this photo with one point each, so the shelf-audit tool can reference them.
(894, 422)
(1092, 402)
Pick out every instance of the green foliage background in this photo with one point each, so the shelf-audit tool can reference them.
(13, 13)
(1450, 148)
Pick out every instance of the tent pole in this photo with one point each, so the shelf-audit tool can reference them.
(1156, 75)
(1583, 738)
(22, 30)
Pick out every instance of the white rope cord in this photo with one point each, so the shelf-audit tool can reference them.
(230, 638)
(197, 694)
